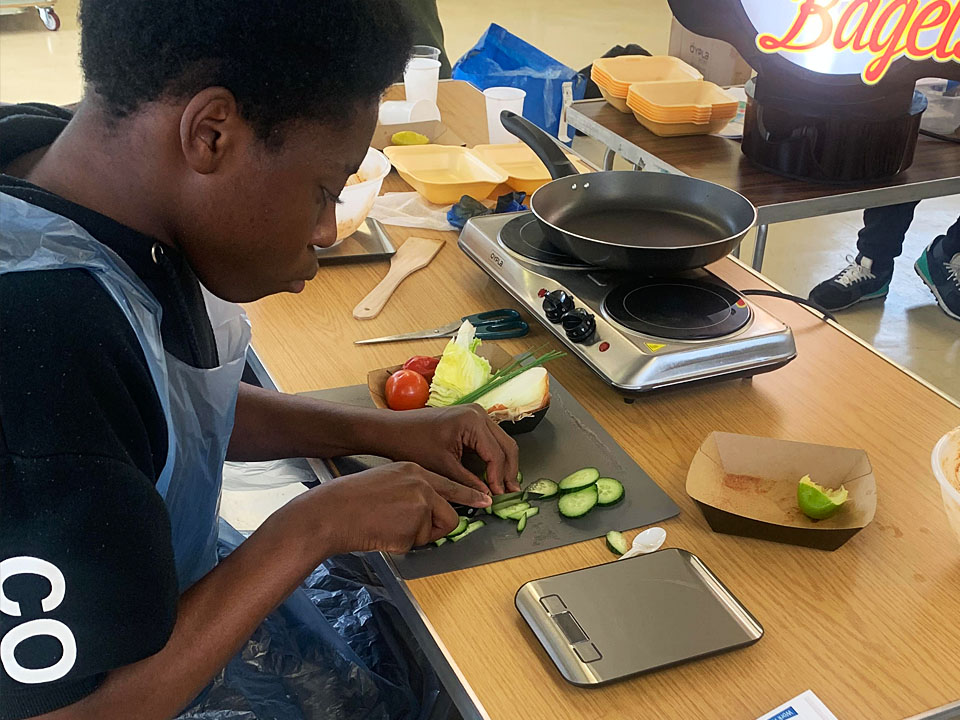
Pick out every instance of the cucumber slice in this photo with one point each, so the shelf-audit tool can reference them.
(609, 491)
(579, 480)
(472, 527)
(513, 512)
(488, 510)
(439, 542)
(544, 487)
(503, 497)
(579, 503)
(461, 526)
(531, 511)
(506, 504)
(522, 523)
(616, 543)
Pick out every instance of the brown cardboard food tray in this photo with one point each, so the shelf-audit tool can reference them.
(748, 486)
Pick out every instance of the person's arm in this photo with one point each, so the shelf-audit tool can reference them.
(391, 508)
(271, 425)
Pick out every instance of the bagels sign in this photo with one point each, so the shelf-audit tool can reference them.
(863, 37)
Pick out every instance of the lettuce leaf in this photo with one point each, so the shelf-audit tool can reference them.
(460, 370)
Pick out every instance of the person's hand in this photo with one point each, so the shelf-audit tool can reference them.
(392, 508)
(436, 438)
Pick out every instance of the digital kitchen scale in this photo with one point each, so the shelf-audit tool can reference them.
(631, 616)
(638, 333)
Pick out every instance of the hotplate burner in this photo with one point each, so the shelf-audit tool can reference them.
(678, 308)
(524, 236)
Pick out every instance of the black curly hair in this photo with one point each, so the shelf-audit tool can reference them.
(283, 60)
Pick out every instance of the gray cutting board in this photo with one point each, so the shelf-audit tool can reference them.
(567, 440)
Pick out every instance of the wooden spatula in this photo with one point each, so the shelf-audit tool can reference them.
(414, 254)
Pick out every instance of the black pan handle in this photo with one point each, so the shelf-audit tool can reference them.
(542, 144)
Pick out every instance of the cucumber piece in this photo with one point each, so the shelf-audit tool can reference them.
(522, 524)
(519, 478)
(461, 526)
(488, 510)
(616, 543)
(472, 527)
(579, 503)
(512, 513)
(544, 487)
(609, 491)
(506, 504)
(531, 511)
(439, 542)
(579, 480)
(503, 497)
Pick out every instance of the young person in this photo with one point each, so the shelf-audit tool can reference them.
(200, 169)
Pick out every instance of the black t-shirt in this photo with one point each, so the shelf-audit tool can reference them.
(82, 443)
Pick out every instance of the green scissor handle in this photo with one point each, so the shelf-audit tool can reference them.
(498, 324)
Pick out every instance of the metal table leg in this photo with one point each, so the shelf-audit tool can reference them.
(759, 247)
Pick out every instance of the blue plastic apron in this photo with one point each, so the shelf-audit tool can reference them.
(296, 665)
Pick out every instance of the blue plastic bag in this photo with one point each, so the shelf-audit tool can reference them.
(502, 59)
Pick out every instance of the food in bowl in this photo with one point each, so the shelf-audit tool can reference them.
(360, 192)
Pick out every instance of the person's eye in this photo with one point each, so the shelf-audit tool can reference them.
(329, 197)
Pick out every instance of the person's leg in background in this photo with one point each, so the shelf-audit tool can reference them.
(427, 29)
(939, 268)
(868, 275)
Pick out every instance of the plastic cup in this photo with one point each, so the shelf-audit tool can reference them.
(421, 78)
(946, 468)
(400, 112)
(499, 99)
(425, 51)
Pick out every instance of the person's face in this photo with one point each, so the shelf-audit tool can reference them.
(254, 222)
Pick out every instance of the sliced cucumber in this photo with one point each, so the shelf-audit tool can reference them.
(513, 512)
(472, 527)
(519, 478)
(530, 512)
(579, 503)
(616, 543)
(579, 480)
(503, 497)
(522, 523)
(461, 526)
(609, 491)
(544, 488)
(488, 510)
(439, 542)
(506, 504)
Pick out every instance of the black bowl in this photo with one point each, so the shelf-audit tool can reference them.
(525, 425)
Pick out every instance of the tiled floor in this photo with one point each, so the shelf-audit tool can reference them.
(908, 327)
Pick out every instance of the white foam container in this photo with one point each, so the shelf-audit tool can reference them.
(946, 467)
(357, 200)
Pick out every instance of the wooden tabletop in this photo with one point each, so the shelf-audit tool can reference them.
(873, 628)
(719, 160)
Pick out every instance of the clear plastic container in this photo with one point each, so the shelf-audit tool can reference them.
(946, 469)
(357, 198)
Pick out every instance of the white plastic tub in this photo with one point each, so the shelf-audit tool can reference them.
(358, 199)
(946, 468)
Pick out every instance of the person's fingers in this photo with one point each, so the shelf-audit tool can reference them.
(444, 520)
(454, 492)
(511, 453)
(455, 471)
(489, 450)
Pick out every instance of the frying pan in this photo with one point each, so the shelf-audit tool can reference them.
(654, 223)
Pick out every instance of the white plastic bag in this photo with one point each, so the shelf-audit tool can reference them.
(410, 209)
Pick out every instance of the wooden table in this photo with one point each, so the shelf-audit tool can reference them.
(935, 171)
(873, 628)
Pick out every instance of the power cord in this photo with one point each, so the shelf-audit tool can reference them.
(793, 298)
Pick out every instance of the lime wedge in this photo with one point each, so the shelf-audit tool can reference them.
(818, 502)
(409, 137)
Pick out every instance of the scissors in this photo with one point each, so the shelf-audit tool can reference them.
(490, 325)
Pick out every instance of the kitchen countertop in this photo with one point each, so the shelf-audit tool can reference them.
(872, 628)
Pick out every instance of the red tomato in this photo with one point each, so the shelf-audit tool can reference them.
(407, 390)
(424, 365)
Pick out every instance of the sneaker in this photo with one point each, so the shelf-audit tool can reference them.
(942, 275)
(855, 283)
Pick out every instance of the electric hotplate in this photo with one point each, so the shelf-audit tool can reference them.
(638, 333)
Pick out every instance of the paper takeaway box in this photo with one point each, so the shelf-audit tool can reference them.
(748, 486)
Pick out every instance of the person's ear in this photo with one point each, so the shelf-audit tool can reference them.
(210, 128)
